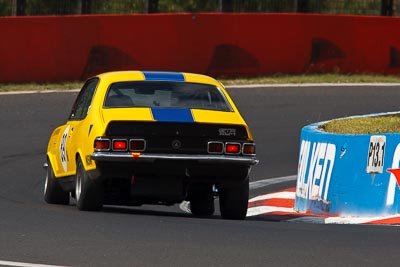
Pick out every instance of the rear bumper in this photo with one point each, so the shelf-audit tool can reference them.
(148, 158)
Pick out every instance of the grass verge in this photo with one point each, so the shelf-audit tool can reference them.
(364, 125)
(9, 87)
(272, 79)
(314, 78)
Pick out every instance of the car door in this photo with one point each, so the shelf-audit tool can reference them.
(71, 138)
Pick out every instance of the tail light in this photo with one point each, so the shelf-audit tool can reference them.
(215, 147)
(137, 145)
(120, 145)
(232, 148)
(249, 149)
(102, 144)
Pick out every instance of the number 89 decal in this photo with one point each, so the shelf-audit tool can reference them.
(63, 149)
(376, 154)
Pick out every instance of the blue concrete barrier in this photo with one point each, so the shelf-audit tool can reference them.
(347, 175)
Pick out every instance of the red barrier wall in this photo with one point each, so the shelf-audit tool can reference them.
(65, 48)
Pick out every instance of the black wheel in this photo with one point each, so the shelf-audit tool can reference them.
(202, 200)
(233, 201)
(53, 193)
(89, 193)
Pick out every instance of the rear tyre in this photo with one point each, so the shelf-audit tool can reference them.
(233, 201)
(53, 193)
(202, 200)
(89, 192)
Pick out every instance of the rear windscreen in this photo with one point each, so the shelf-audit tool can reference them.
(155, 94)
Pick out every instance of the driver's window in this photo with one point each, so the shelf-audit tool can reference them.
(84, 99)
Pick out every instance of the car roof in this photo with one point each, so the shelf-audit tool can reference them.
(120, 76)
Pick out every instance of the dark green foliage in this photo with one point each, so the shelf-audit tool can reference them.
(5, 8)
(65, 7)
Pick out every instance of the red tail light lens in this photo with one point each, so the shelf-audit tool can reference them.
(215, 147)
(137, 145)
(249, 149)
(102, 144)
(121, 145)
(232, 148)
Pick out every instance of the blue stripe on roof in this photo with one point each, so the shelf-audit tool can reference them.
(172, 115)
(163, 76)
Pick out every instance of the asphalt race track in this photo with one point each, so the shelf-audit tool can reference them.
(34, 232)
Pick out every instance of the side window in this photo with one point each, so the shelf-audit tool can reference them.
(83, 101)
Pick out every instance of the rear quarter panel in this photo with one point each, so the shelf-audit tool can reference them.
(56, 149)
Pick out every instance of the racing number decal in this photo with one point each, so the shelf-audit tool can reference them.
(63, 149)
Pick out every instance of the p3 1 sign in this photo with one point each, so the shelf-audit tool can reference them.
(376, 154)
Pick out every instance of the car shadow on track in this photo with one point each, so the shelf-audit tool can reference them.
(148, 211)
(173, 211)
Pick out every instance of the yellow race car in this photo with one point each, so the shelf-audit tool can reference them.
(136, 138)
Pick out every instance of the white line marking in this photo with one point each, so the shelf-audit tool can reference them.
(295, 85)
(284, 195)
(341, 220)
(281, 85)
(24, 264)
(38, 92)
(271, 181)
(254, 211)
(357, 220)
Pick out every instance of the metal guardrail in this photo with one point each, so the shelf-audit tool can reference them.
(72, 7)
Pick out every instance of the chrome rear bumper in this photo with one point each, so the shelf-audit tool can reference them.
(204, 159)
